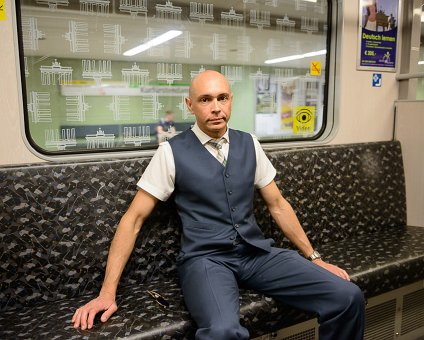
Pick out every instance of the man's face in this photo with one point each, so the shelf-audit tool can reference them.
(169, 117)
(210, 101)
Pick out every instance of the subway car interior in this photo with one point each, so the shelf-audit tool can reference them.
(115, 222)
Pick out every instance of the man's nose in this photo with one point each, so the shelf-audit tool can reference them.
(215, 105)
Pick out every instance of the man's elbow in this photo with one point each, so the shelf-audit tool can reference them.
(278, 205)
(131, 223)
(139, 221)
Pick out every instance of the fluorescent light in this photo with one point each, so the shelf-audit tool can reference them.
(310, 0)
(295, 57)
(154, 42)
(421, 62)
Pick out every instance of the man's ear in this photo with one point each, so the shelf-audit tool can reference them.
(188, 103)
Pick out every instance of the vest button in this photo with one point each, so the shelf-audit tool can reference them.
(236, 226)
(232, 238)
(230, 192)
(233, 209)
(227, 175)
(236, 242)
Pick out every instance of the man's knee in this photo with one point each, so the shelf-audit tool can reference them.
(355, 295)
(349, 297)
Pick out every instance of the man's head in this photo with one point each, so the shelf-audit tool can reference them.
(169, 116)
(210, 100)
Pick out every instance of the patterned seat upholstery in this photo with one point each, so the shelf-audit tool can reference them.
(57, 221)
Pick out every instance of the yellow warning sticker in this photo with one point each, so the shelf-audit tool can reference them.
(315, 68)
(2, 10)
(304, 119)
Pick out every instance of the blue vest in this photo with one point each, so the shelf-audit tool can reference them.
(215, 204)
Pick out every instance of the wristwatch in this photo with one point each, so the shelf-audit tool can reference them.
(314, 256)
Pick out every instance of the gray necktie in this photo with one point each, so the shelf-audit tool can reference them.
(217, 144)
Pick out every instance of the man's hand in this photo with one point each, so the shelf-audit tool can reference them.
(332, 268)
(84, 316)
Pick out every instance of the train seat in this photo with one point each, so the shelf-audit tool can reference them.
(57, 221)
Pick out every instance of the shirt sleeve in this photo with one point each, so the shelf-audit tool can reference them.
(159, 177)
(265, 171)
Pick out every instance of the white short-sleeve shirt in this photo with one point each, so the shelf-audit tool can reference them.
(159, 177)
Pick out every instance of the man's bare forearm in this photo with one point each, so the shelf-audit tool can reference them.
(124, 240)
(287, 221)
(119, 252)
(285, 217)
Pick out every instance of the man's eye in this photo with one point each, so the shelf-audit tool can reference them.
(223, 98)
(204, 100)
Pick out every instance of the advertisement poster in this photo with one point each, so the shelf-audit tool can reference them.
(378, 34)
(289, 106)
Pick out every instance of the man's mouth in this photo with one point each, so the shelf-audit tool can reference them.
(218, 120)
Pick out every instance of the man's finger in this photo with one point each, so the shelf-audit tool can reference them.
(347, 275)
(108, 312)
(74, 317)
(91, 314)
(84, 319)
(344, 275)
(77, 318)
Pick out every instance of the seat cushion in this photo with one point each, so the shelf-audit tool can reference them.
(381, 261)
(378, 262)
(140, 316)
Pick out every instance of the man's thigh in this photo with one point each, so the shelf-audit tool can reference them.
(289, 277)
(211, 292)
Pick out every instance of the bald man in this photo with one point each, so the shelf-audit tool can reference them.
(213, 172)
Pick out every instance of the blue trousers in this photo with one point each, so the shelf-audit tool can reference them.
(210, 286)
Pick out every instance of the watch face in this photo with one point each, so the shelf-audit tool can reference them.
(315, 255)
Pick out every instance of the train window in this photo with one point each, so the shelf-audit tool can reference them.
(112, 75)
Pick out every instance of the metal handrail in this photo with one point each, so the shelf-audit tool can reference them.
(406, 76)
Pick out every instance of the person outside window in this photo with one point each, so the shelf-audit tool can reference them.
(166, 127)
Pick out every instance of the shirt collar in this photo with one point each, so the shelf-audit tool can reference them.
(204, 138)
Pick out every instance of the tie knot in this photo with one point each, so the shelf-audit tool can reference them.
(217, 143)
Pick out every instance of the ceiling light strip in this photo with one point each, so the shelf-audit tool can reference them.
(154, 42)
(295, 57)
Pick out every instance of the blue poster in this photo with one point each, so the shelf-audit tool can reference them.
(378, 34)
